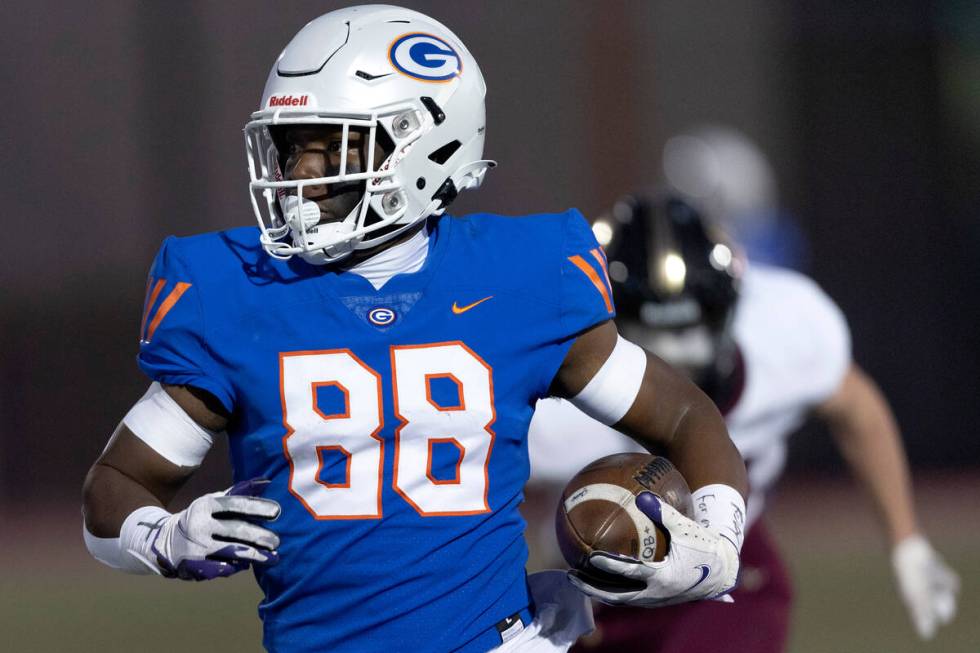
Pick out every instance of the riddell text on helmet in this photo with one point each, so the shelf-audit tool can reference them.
(289, 100)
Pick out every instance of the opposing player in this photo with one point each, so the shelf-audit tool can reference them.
(375, 364)
(768, 346)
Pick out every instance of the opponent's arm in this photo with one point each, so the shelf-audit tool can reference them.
(130, 484)
(867, 435)
(640, 395)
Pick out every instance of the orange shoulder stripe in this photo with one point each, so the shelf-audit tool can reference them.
(594, 278)
(150, 301)
(600, 258)
(165, 307)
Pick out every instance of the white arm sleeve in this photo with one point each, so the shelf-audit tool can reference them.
(721, 508)
(611, 392)
(130, 552)
(161, 423)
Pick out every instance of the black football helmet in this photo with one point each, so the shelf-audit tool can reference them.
(675, 279)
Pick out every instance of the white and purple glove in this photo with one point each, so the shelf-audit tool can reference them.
(215, 536)
(700, 564)
(927, 584)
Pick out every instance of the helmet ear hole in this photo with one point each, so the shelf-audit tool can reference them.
(445, 152)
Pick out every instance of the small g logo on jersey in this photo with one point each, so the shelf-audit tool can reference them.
(381, 316)
(425, 57)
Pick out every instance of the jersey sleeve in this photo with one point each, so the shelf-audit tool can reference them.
(585, 291)
(173, 342)
(826, 348)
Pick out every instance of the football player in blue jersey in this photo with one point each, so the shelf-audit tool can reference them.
(375, 364)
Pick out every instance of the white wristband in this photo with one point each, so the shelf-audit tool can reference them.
(131, 552)
(722, 509)
(610, 393)
(161, 423)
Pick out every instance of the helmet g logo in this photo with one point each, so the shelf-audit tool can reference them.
(425, 57)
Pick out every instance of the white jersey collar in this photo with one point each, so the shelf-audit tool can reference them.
(403, 258)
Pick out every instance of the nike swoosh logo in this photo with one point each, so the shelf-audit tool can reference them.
(705, 570)
(462, 309)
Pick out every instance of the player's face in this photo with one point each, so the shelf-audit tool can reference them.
(315, 151)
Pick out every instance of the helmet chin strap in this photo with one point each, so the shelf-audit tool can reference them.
(303, 217)
(339, 248)
(300, 214)
(333, 252)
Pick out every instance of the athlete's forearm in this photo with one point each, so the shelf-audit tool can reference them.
(128, 475)
(868, 438)
(700, 429)
(109, 496)
(672, 417)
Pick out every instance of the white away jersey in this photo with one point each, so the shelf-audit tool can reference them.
(796, 349)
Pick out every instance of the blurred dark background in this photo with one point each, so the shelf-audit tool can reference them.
(123, 124)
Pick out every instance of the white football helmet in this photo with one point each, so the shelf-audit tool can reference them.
(723, 172)
(372, 67)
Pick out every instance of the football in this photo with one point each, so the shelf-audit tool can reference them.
(597, 510)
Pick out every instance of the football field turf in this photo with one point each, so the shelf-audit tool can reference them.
(54, 598)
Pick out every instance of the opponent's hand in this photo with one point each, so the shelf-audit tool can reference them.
(928, 586)
(216, 535)
(699, 564)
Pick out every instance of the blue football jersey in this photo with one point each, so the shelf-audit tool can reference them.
(391, 423)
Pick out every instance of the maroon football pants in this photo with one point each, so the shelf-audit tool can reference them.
(758, 621)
